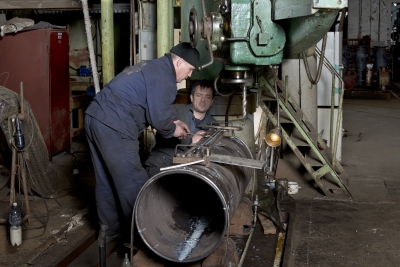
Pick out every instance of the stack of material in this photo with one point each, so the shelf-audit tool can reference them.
(242, 218)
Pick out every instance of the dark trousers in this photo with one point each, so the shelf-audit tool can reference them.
(119, 174)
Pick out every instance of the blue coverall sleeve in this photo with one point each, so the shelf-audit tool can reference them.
(161, 93)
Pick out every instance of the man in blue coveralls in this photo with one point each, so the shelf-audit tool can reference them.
(139, 96)
(194, 115)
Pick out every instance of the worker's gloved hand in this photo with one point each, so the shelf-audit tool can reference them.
(197, 136)
(181, 129)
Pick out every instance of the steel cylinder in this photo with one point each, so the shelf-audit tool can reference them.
(381, 57)
(182, 214)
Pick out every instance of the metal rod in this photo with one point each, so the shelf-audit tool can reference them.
(102, 245)
(244, 102)
(13, 173)
(286, 89)
(211, 55)
(132, 47)
(181, 165)
(24, 184)
(21, 115)
(246, 248)
(276, 67)
(332, 111)
(339, 116)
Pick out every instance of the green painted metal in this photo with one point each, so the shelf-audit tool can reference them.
(294, 26)
(288, 9)
(256, 18)
(266, 37)
(210, 72)
(165, 29)
(338, 4)
(307, 130)
(171, 23)
(107, 45)
(236, 67)
(304, 32)
(338, 75)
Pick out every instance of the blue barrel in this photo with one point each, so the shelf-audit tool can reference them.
(361, 63)
(347, 54)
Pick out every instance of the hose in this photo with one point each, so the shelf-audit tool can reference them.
(90, 45)
(314, 82)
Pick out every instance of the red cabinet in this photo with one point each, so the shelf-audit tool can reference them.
(40, 59)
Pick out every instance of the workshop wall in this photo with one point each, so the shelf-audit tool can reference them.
(370, 17)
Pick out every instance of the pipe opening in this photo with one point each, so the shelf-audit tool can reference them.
(180, 215)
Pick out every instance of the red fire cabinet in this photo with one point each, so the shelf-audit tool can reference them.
(40, 59)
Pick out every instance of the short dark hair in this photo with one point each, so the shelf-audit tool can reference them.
(203, 83)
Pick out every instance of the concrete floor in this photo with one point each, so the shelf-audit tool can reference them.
(364, 232)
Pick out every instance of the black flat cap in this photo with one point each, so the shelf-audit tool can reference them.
(187, 52)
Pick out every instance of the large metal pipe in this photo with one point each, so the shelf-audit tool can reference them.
(182, 214)
(165, 31)
(107, 33)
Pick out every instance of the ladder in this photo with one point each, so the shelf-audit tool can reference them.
(305, 142)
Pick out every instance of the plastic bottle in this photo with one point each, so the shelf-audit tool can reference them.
(126, 262)
(15, 225)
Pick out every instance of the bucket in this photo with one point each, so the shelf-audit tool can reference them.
(182, 214)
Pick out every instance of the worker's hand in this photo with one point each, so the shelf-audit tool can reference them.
(197, 136)
(181, 129)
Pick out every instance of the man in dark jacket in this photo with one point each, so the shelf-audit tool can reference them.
(139, 96)
(194, 114)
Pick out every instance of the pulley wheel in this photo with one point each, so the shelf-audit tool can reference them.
(193, 27)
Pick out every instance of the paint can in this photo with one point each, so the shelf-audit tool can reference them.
(293, 188)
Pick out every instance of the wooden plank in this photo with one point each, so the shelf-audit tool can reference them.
(77, 101)
(78, 86)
